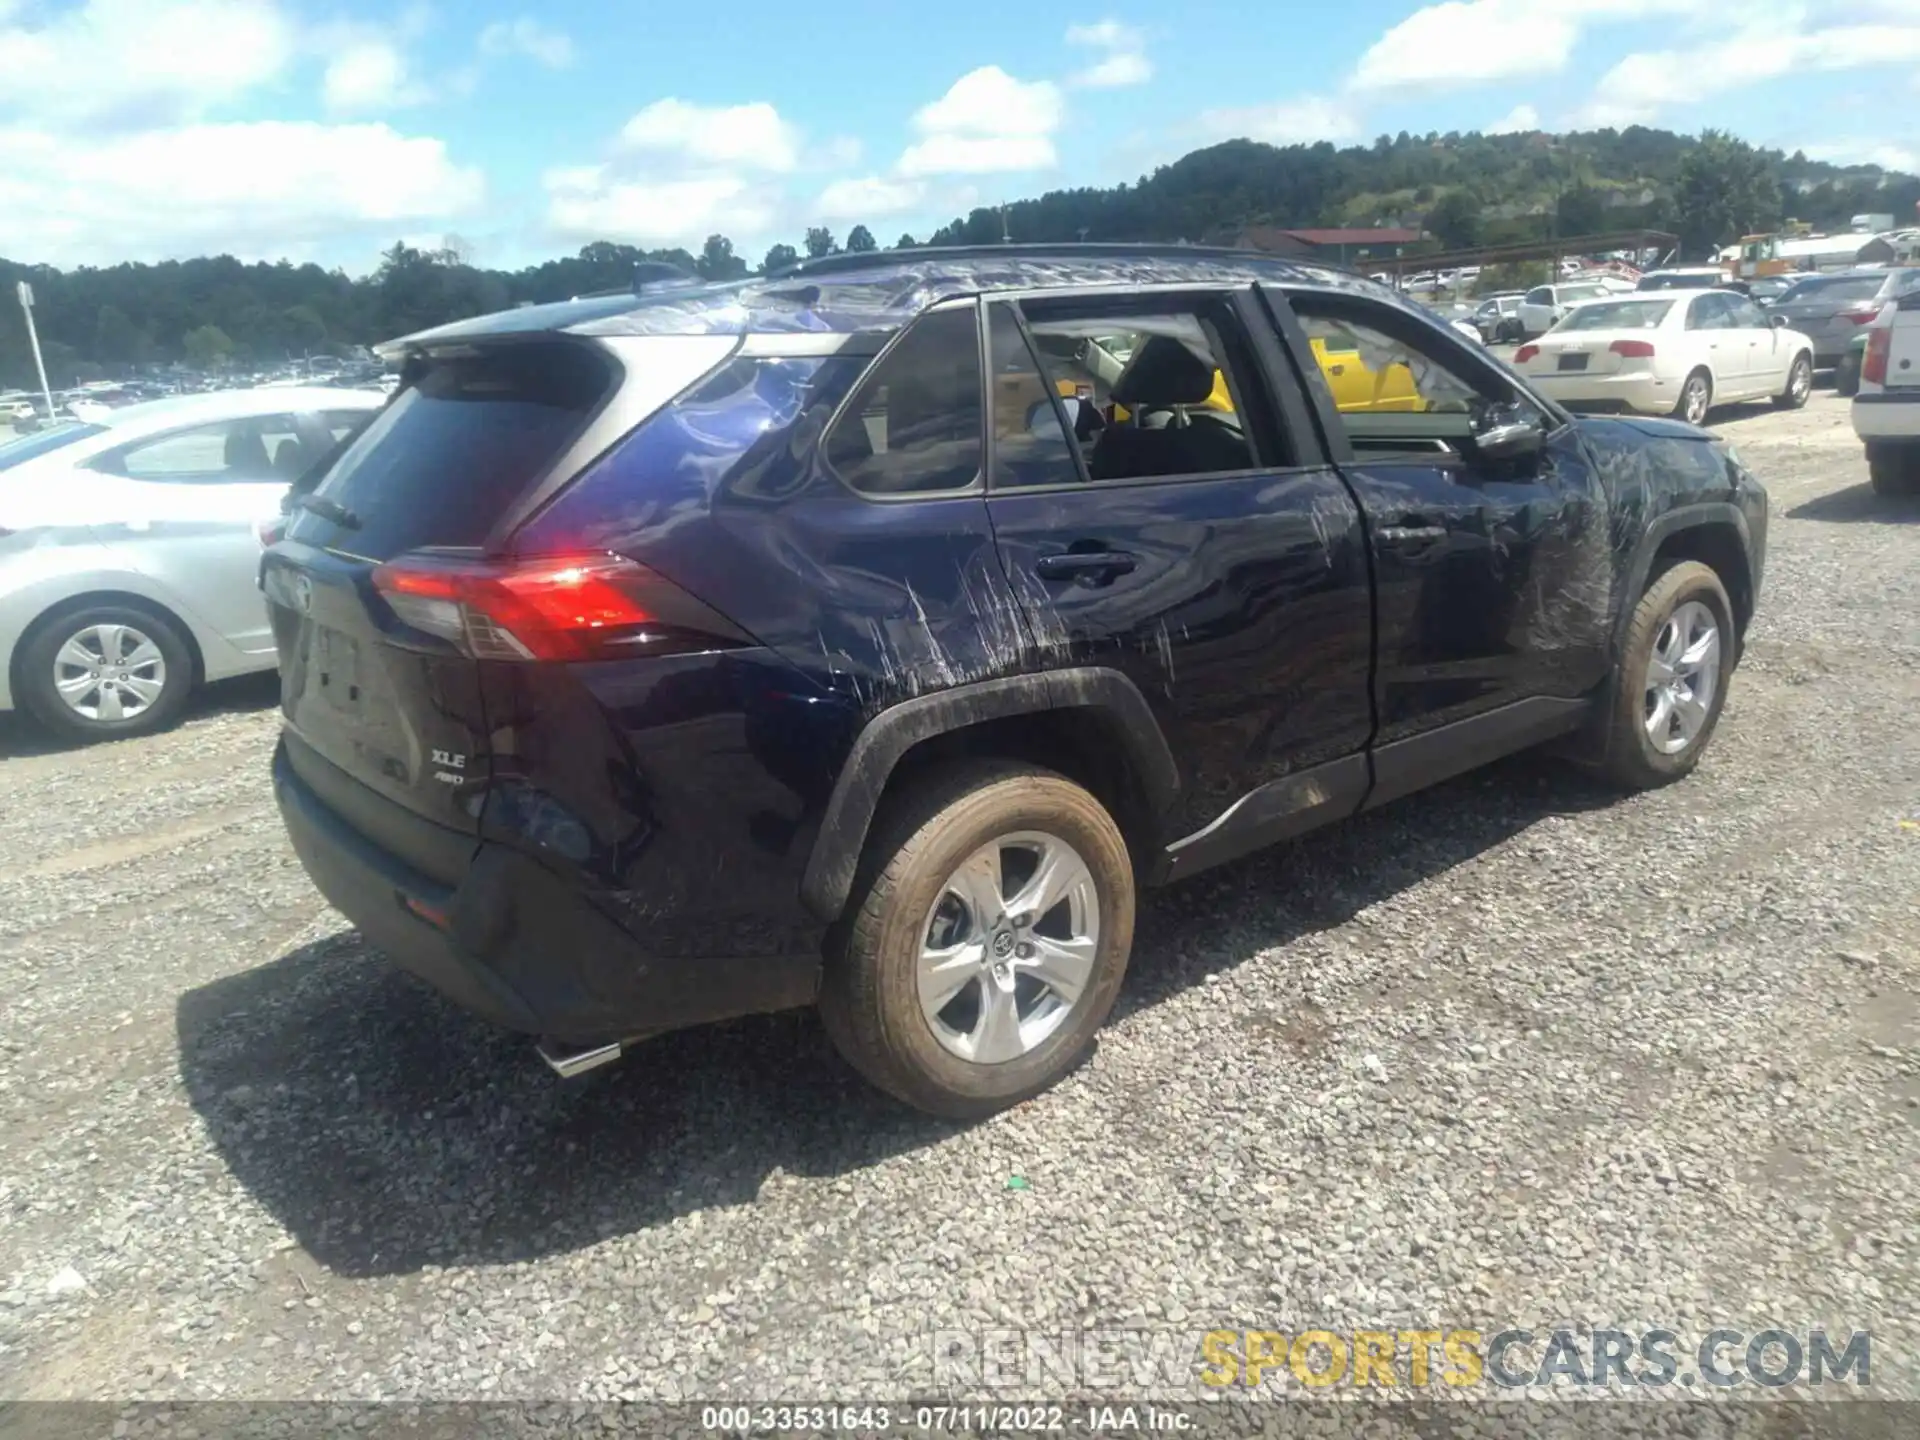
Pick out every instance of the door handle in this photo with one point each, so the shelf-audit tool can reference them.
(1411, 534)
(1085, 565)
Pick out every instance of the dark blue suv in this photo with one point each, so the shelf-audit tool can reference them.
(864, 636)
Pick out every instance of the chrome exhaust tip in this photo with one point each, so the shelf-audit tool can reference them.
(568, 1063)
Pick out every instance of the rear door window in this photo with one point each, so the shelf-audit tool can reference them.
(458, 445)
(913, 426)
(229, 452)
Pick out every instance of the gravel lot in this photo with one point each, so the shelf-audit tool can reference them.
(1510, 1051)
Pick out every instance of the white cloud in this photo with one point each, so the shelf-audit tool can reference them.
(258, 190)
(1473, 42)
(1517, 121)
(1123, 58)
(1302, 120)
(1645, 85)
(869, 197)
(527, 36)
(656, 213)
(368, 76)
(986, 122)
(752, 136)
(125, 64)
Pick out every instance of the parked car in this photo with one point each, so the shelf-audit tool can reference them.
(1768, 288)
(1683, 277)
(1497, 317)
(1834, 308)
(652, 660)
(1886, 409)
(1676, 353)
(1543, 307)
(130, 549)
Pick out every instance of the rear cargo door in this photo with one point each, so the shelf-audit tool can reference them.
(393, 704)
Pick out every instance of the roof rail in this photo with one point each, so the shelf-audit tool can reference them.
(848, 262)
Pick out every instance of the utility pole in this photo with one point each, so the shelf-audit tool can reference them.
(25, 292)
(1006, 236)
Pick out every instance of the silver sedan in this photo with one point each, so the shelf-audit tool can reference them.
(130, 546)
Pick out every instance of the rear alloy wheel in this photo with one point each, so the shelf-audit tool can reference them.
(1672, 678)
(1696, 399)
(988, 944)
(1894, 469)
(105, 671)
(1799, 385)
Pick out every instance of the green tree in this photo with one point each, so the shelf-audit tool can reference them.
(718, 262)
(1724, 189)
(117, 340)
(860, 241)
(302, 328)
(207, 346)
(905, 242)
(820, 241)
(1581, 210)
(779, 257)
(1455, 220)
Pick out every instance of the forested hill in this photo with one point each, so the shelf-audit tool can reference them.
(1463, 188)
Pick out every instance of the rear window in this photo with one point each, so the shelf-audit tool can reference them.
(15, 452)
(456, 447)
(1837, 288)
(1618, 315)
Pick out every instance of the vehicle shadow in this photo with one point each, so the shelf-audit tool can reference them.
(1858, 503)
(21, 737)
(387, 1130)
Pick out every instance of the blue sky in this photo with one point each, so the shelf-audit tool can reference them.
(146, 129)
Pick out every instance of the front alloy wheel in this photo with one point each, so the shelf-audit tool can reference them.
(105, 670)
(1682, 674)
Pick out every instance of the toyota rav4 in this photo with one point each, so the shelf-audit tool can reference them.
(866, 636)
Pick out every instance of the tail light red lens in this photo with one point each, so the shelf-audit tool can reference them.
(1873, 367)
(1863, 313)
(271, 532)
(1633, 349)
(1525, 353)
(565, 607)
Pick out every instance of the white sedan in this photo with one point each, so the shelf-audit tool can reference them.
(130, 549)
(1676, 353)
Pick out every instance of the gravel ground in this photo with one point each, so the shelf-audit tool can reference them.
(1512, 1051)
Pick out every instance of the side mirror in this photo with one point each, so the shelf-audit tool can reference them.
(1779, 322)
(1509, 438)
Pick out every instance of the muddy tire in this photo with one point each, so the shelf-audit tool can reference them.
(1672, 678)
(988, 934)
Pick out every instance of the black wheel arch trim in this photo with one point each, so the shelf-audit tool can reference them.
(1694, 516)
(888, 736)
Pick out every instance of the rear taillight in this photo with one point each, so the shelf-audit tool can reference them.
(1863, 312)
(1525, 353)
(557, 607)
(271, 532)
(1633, 349)
(1873, 367)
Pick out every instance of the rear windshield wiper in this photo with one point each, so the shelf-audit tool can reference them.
(326, 509)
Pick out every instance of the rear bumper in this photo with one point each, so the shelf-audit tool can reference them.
(515, 943)
(1887, 414)
(1639, 392)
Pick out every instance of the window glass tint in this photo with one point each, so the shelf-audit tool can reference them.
(41, 441)
(1540, 295)
(1401, 389)
(345, 424)
(459, 444)
(1369, 370)
(1030, 446)
(1744, 314)
(229, 452)
(1838, 288)
(913, 426)
(1617, 315)
(1155, 392)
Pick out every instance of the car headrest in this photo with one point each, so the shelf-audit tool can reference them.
(1163, 372)
(246, 451)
